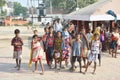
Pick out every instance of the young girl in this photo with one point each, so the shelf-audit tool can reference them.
(114, 42)
(44, 40)
(95, 50)
(50, 46)
(37, 52)
(58, 49)
(66, 46)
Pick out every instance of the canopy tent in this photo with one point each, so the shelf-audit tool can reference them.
(96, 11)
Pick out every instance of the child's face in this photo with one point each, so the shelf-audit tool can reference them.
(77, 37)
(17, 35)
(35, 39)
(59, 34)
(51, 30)
(96, 37)
(65, 29)
(35, 32)
(116, 30)
(46, 30)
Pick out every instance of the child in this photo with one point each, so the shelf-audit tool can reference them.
(44, 40)
(35, 32)
(37, 52)
(50, 46)
(17, 43)
(66, 46)
(76, 52)
(58, 49)
(114, 42)
(95, 50)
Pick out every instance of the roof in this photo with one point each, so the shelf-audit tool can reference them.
(97, 10)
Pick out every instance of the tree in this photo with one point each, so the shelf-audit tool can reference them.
(69, 5)
(2, 3)
(19, 9)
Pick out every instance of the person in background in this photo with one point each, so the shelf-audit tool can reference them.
(89, 35)
(17, 43)
(46, 30)
(71, 27)
(85, 46)
(114, 42)
(103, 39)
(49, 45)
(60, 27)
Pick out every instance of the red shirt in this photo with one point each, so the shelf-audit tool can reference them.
(19, 42)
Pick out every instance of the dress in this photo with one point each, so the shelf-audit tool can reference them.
(37, 52)
(58, 47)
(93, 56)
(66, 49)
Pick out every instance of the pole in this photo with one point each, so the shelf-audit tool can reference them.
(51, 11)
(32, 11)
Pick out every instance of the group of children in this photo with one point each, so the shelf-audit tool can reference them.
(62, 47)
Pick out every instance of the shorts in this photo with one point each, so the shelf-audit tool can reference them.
(76, 57)
(92, 57)
(17, 55)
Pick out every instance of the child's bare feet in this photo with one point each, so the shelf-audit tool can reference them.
(80, 71)
(16, 67)
(34, 71)
(42, 73)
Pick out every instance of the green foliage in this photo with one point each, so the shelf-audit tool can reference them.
(3, 13)
(2, 3)
(19, 9)
(69, 5)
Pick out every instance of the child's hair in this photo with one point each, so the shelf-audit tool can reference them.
(17, 31)
(34, 36)
(45, 28)
(50, 27)
(78, 34)
(96, 34)
(58, 32)
(35, 31)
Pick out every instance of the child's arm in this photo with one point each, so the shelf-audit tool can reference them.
(81, 48)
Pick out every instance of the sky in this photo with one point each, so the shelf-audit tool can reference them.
(26, 3)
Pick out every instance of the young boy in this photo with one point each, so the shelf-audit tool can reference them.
(17, 43)
(95, 50)
(76, 52)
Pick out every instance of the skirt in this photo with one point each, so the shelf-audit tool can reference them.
(37, 55)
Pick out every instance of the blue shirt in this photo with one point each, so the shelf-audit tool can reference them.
(77, 46)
